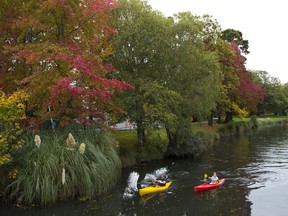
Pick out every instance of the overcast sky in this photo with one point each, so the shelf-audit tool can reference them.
(264, 23)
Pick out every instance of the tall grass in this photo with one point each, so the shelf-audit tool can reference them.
(57, 171)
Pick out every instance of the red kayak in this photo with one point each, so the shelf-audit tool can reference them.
(208, 186)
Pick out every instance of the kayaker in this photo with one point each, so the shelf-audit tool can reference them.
(162, 180)
(214, 179)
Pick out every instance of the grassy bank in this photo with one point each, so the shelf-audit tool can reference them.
(131, 154)
(203, 139)
(127, 141)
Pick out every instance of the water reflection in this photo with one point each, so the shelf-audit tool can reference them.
(254, 165)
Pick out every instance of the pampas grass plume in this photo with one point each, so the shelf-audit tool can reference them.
(82, 148)
(70, 140)
(37, 141)
(63, 176)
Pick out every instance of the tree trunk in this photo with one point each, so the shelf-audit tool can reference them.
(169, 136)
(210, 120)
(229, 117)
(140, 134)
(219, 120)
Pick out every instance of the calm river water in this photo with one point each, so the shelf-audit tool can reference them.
(255, 166)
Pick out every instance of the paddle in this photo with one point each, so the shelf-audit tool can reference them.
(205, 178)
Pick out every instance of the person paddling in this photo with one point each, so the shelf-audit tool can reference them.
(162, 180)
(214, 179)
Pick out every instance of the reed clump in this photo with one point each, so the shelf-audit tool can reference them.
(60, 165)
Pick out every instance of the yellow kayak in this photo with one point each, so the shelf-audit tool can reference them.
(147, 197)
(154, 189)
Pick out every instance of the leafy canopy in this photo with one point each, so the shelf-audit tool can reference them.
(57, 50)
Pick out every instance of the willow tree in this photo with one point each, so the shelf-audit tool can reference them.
(174, 76)
(194, 73)
(140, 54)
(57, 52)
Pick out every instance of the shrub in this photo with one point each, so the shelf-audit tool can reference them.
(12, 110)
(55, 170)
(156, 146)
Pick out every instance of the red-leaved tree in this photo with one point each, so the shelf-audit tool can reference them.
(248, 94)
(57, 50)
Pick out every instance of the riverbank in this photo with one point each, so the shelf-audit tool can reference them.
(51, 169)
(203, 138)
(254, 165)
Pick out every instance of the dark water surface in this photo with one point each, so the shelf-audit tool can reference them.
(255, 167)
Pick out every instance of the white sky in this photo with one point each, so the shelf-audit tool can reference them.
(264, 23)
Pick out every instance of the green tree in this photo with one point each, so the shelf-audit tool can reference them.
(139, 54)
(225, 55)
(230, 80)
(164, 58)
(195, 75)
(275, 98)
(233, 35)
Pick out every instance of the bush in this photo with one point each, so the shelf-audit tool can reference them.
(156, 146)
(62, 168)
(12, 111)
(193, 146)
(235, 127)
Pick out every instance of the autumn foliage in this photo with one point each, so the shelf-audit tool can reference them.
(56, 51)
(248, 94)
(12, 111)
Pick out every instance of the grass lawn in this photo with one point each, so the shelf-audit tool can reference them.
(127, 146)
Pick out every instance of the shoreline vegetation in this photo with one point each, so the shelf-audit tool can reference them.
(81, 163)
(70, 163)
(201, 140)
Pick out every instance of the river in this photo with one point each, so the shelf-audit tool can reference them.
(255, 166)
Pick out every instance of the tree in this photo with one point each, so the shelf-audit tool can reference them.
(285, 89)
(139, 54)
(57, 52)
(229, 79)
(233, 35)
(195, 74)
(275, 97)
(164, 58)
(244, 93)
(249, 93)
